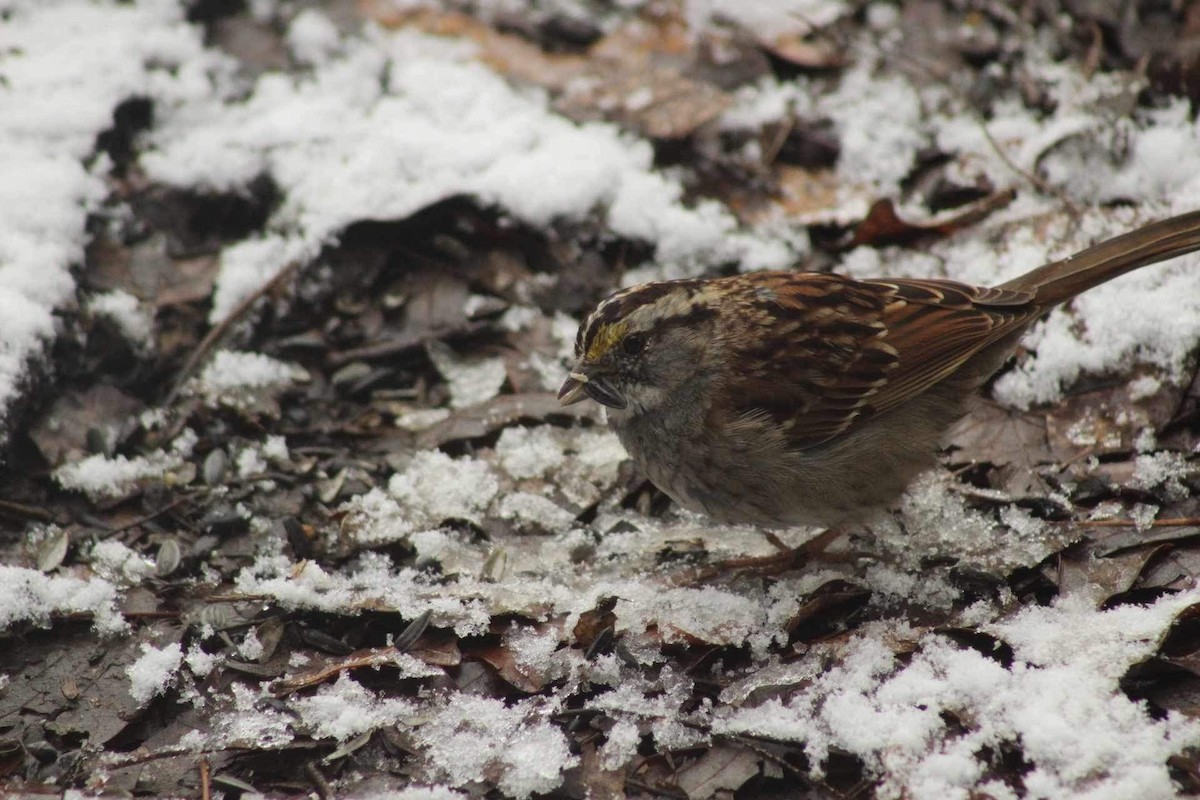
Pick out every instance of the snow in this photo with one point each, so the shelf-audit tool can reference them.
(241, 380)
(412, 793)
(708, 615)
(470, 737)
(115, 562)
(66, 66)
(1059, 699)
(881, 125)
(1167, 470)
(344, 709)
(27, 595)
(530, 452)
(767, 18)
(471, 380)
(99, 476)
(576, 462)
(436, 487)
(248, 723)
(199, 662)
(345, 145)
(381, 124)
(534, 509)
(1114, 336)
(153, 671)
(312, 37)
(659, 703)
(621, 745)
(134, 322)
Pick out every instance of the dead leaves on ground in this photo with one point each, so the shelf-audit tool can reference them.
(407, 295)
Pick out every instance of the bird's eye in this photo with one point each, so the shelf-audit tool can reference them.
(633, 344)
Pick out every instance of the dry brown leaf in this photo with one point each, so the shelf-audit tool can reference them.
(63, 431)
(1081, 571)
(593, 623)
(829, 603)
(1014, 441)
(1175, 569)
(627, 77)
(1129, 538)
(656, 101)
(146, 271)
(1182, 696)
(1108, 420)
(78, 684)
(437, 649)
(801, 51)
(883, 226)
(804, 195)
(517, 675)
(597, 782)
(723, 767)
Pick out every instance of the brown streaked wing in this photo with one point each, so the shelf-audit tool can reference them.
(815, 343)
(890, 341)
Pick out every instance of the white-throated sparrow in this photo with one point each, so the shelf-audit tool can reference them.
(780, 398)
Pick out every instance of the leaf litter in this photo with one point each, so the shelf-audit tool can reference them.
(347, 537)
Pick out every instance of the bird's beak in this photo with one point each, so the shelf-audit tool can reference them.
(573, 388)
(579, 383)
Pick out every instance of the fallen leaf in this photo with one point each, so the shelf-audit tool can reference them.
(1014, 441)
(597, 782)
(883, 226)
(63, 431)
(629, 76)
(505, 662)
(801, 51)
(1109, 420)
(825, 608)
(721, 768)
(1082, 572)
(655, 101)
(594, 622)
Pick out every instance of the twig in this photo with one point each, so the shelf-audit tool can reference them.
(237, 598)
(1177, 522)
(142, 520)
(656, 790)
(324, 790)
(23, 510)
(205, 779)
(771, 152)
(123, 760)
(222, 328)
(388, 348)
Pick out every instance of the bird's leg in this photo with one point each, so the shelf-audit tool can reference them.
(788, 558)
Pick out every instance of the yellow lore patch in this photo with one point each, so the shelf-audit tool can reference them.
(605, 339)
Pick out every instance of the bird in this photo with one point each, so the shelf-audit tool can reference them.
(782, 398)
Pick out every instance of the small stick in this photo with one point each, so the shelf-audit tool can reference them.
(205, 779)
(324, 790)
(1177, 522)
(222, 328)
(142, 520)
(23, 510)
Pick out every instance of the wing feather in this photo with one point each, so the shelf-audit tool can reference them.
(855, 349)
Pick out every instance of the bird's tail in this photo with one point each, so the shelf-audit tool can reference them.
(1059, 281)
